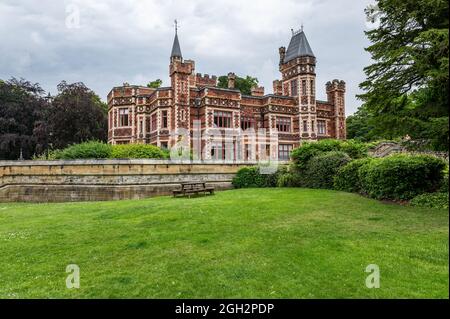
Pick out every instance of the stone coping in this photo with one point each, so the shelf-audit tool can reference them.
(126, 162)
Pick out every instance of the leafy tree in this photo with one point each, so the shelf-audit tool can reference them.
(359, 126)
(76, 115)
(243, 84)
(21, 106)
(407, 85)
(155, 84)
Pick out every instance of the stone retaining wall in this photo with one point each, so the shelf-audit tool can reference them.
(87, 180)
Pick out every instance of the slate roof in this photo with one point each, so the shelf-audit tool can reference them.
(176, 51)
(298, 46)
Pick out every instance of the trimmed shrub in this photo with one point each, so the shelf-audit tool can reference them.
(431, 200)
(321, 169)
(288, 176)
(138, 151)
(308, 150)
(444, 184)
(86, 150)
(251, 177)
(347, 177)
(401, 176)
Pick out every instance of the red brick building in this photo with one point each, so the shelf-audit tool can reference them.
(193, 111)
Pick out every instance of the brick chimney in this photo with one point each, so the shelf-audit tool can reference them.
(231, 80)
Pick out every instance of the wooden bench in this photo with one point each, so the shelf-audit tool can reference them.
(193, 188)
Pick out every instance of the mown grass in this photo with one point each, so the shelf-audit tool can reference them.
(248, 243)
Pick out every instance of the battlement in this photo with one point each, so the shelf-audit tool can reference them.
(335, 85)
(205, 80)
(277, 87)
(257, 91)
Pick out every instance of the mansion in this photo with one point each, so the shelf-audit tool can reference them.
(193, 102)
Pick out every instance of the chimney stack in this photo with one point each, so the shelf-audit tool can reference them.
(231, 80)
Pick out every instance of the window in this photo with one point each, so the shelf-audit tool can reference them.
(305, 126)
(217, 151)
(294, 88)
(321, 127)
(164, 145)
(141, 126)
(147, 124)
(247, 152)
(304, 87)
(247, 122)
(154, 123)
(311, 87)
(222, 119)
(164, 119)
(284, 151)
(123, 117)
(312, 125)
(283, 124)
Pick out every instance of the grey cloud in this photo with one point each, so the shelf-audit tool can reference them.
(120, 41)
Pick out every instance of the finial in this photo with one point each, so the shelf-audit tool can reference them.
(301, 28)
(176, 26)
(292, 30)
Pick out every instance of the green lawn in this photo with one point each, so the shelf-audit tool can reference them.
(261, 243)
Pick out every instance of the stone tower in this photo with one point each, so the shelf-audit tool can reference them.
(335, 95)
(181, 75)
(297, 67)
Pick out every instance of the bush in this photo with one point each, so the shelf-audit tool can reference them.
(138, 151)
(401, 176)
(347, 177)
(288, 177)
(444, 184)
(251, 177)
(308, 150)
(86, 150)
(431, 200)
(320, 170)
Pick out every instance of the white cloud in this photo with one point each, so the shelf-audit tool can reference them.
(119, 41)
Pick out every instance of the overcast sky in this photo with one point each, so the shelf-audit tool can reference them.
(105, 43)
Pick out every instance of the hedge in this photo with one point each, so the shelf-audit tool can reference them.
(251, 177)
(321, 169)
(289, 176)
(100, 150)
(86, 150)
(347, 177)
(138, 151)
(308, 150)
(401, 177)
(431, 200)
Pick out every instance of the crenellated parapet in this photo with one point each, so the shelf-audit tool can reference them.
(257, 91)
(205, 80)
(335, 85)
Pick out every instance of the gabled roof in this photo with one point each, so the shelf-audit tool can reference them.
(176, 51)
(298, 46)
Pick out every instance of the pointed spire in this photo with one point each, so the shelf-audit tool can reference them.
(298, 46)
(176, 51)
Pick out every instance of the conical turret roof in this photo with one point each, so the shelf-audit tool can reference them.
(176, 51)
(298, 46)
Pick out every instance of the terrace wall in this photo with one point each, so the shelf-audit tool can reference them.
(92, 180)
